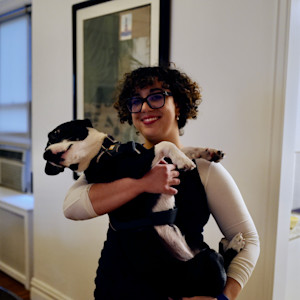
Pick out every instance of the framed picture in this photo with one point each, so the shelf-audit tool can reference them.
(111, 38)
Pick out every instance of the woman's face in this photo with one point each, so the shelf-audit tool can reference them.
(160, 124)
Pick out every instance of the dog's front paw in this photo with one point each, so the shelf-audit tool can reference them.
(209, 154)
(184, 163)
(237, 243)
(167, 149)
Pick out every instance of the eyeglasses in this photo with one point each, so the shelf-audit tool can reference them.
(155, 100)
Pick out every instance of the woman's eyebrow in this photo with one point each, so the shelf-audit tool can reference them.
(151, 91)
(155, 90)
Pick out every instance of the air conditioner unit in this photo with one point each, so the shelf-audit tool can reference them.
(15, 169)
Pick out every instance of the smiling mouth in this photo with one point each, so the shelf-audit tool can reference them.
(149, 120)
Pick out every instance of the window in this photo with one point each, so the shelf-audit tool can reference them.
(15, 99)
(15, 76)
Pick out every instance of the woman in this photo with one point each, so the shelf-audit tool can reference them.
(158, 101)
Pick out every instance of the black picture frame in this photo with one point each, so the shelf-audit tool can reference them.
(95, 76)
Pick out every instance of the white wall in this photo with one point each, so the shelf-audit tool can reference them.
(290, 177)
(65, 252)
(294, 93)
(233, 49)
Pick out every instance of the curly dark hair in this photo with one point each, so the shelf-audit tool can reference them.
(186, 92)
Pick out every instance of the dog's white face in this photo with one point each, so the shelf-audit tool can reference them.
(79, 152)
(75, 152)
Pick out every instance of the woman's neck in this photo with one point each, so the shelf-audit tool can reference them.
(148, 144)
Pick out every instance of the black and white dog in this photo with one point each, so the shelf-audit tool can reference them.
(80, 147)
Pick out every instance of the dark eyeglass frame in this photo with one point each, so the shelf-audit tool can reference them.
(143, 100)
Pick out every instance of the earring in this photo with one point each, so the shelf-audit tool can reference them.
(177, 118)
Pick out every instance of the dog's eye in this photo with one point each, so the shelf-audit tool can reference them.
(54, 136)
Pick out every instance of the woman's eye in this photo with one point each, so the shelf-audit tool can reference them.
(156, 97)
(135, 101)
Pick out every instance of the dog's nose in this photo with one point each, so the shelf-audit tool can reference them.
(48, 154)
(53, 157)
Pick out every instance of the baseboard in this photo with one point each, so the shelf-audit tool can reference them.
(42, 291)
(13, 272)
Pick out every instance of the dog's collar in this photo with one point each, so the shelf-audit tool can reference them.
(166, 217)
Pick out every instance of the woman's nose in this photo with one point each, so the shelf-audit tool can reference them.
(146, 107)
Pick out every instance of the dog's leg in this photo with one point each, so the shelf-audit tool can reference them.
(168, 149)
(175, 242)
(170, 234)
(205, 153)
(229, 249)
(164, 202)
(237, 243)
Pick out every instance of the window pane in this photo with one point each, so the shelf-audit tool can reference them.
(14, 61)
(14, 120)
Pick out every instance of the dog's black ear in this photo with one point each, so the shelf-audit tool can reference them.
(53, 170)
(88, 123)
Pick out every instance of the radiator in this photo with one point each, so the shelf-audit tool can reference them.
(16, 226)
(15, 168)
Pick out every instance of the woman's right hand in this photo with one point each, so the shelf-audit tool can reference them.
(161, 179)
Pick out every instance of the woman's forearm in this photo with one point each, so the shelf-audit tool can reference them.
(85, 201)
(232, 289)
(105, 197)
